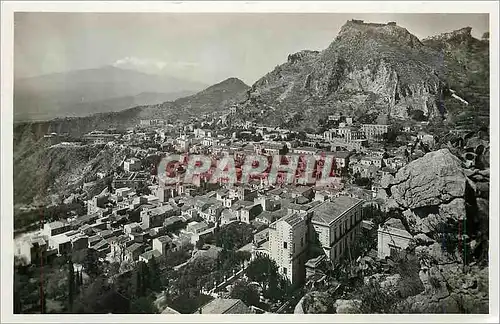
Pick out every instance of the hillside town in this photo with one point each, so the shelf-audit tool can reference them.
(352, 180)
(301, 228)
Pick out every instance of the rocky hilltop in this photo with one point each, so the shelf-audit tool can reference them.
(372, 71)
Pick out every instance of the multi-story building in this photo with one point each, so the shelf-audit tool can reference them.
(55, 228)
(61, 243)
(288, 245)
(392, 238)
(335, 225)
(132, 165)
(32, 249)
(374, 131)
(349, 134)
(201, 133)
(306, 150)
(154, 217)
(96, 203)
(371, 160)
(162, 244)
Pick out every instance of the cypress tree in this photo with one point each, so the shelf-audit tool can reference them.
(81, 277)
(71, 284)
(137, 280)
(77, 282)
(154, 278)
(145, 280)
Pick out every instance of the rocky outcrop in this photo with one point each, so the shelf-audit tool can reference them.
(450, 289)
(437, 197)
(444, 205)
(317, 302)
(370, 71)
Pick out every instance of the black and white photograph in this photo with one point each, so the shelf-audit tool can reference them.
(286, 162)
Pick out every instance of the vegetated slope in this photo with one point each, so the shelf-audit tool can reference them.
(47, 174)
(466, 64)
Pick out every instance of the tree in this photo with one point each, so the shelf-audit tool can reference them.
(318, 303)
(154, 275)
(363, 182)
(262, 270)
(91, 263)
(77, 282)
(137, 281)
(247, 293)
(200, 243)
(43, 302)
(234, 236)
(374, 299)
(143, 305)
(101, 298)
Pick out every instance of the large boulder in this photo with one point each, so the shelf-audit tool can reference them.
(317, 302)
(347, 306)
(435, 178)
(451, 288)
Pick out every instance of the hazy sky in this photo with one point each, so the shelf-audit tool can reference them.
(202, 47)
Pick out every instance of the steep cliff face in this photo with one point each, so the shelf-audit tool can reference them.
(466, 71)
(46, 174)
(376, 70)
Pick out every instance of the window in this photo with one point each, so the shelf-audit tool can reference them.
(284, 270)
(352, 236)
(334, 253)
(394, 250)
(301, 241)
(352, 222)
(293, 247)
(284, 245)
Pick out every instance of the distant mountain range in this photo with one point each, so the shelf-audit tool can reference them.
(84, 92)
(40, 169)
(214, 98)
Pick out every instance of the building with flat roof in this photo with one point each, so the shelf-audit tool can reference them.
(162, 244)
(55, 228)
(335, 224)
(132, 165)
(374, 131)
(32, 249)
(392, 238)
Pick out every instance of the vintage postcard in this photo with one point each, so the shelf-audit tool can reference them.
(278, 161)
